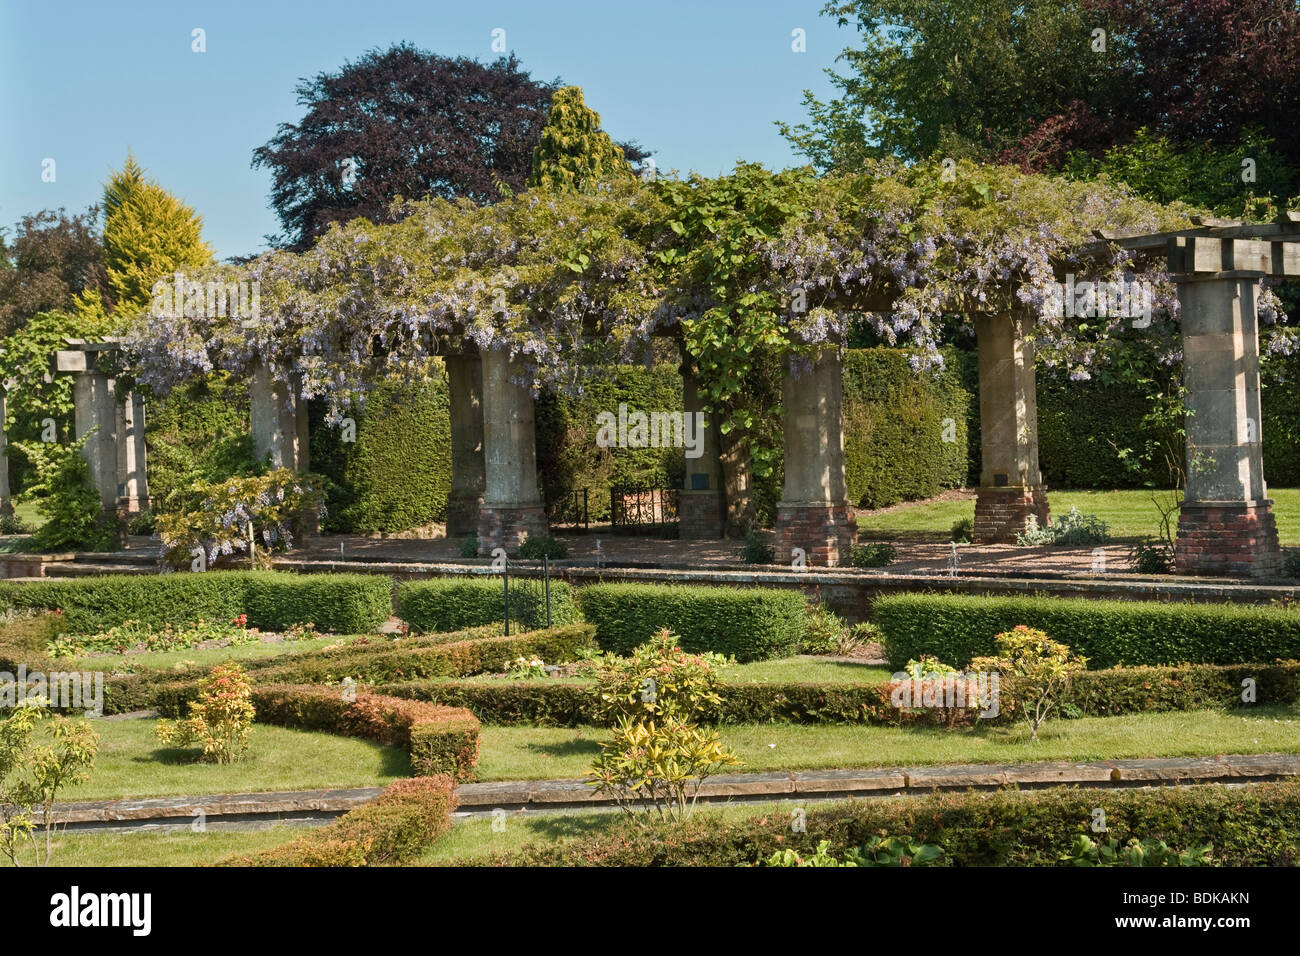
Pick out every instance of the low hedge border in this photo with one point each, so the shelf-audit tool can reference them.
(408, 816)
(440, 740)
(273, 600)
(1094, 693)
(449, 604)
(957, 628)
(751, 624)
(1253, 825)
(463, 654)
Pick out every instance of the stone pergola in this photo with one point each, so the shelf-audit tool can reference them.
(1226, 525)
(113, 416)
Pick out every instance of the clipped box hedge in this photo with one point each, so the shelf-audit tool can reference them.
(956, 628)
(1128, 690)
(752, 624)
(440, 740)
(408, 816)
(273, 600)
(1254, 825)
(450, 604)
(336, 603)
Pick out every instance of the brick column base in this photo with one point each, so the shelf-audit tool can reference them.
(463, 514)
(1001, 513)
(701, 514)
(1236, 538)
(507, 527)
(826, 532)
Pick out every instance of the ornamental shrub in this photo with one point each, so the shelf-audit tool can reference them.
(220, 720)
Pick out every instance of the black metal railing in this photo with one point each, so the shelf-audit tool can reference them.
(642, 509)
(569, 509)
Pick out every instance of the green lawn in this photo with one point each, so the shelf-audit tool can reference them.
(202, 658)
(534, 753)
(1130, 515)
(159, 848)
(132, 763)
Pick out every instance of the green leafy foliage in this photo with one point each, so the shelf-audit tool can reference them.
(536, 547)
(451, 604)
(658, 679)
(1071, 529)
(878, 851)
(874, 554)
(748, 624)
(1109, 633)
(220, 720)
(31, 776)
(1086, 852)
(74, 517)
(1040, 670)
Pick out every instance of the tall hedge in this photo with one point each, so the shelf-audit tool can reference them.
(751, 624)
(452, 604)
(568, 457)
(958, 627)
(894, 427)
(339, 603)
(397, 474)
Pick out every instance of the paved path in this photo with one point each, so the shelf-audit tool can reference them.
(311, 807)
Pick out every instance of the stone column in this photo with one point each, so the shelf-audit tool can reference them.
(702, 505)
(1011, 486)
(279, 421)
(512, 506)
(132, 479)
(465, 384)
(95, 414)
(814, 512)
(1226, 525)
(6, 504)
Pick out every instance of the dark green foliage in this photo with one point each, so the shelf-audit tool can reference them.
(536, 547)
(894, 427)
(1256, 825)
(450, 604)
(1128, 690)
(957, 628)
(198, 434)
(757, 550)
(335, 603)
(397, 474)
(875, 554)
(1151, 557)
(750, 624)
(343, 603)
(568, 458)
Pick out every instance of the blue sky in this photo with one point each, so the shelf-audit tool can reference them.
(699, 82)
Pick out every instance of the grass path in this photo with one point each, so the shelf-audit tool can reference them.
(1130, 515)
(536, 753)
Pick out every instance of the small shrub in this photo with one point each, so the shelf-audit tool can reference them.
(875, 554)
(757, 550)
(878, 851)
(12, 524)
(1085, 852)
(657, 766)
(220, 720)
(469, 546)
(522, 668)
(1072, 529)
(1151, 556)
(826, 633)
(31, 776)
(1040, 669)
(536, 547)
(657, 680)
(1291, 564)
(963, 532)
